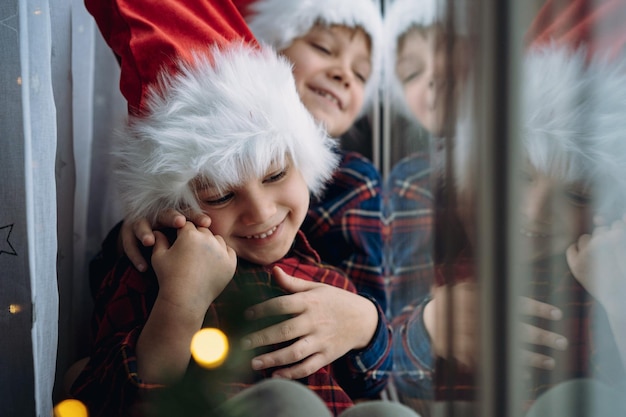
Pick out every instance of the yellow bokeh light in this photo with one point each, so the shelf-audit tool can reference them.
(15, 308)
(70, 408)
(209, 347)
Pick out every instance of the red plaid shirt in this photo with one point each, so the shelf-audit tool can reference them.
(110, 386)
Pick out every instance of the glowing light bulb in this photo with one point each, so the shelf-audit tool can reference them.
(15, 308)
(209, 347)
(70, 408)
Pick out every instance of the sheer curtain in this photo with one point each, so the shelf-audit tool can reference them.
(58, 104)
(27, 210)
(92, 107)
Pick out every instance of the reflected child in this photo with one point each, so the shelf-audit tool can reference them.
(562, 161)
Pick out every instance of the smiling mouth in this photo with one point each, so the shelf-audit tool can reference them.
(528, 233)
(263, 235)
(328, 96)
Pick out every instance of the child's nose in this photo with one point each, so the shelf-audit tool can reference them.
(431, 94)
(341, 74)
(259, 208)
(538, 206)
(435, 91)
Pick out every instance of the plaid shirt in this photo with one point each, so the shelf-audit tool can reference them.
(409, 245)
(408, 263)
(346, 226)
(418, 375)
(110, 386)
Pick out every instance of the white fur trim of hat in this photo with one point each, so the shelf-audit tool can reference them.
(224, 119)
(279, 22)
(574, 119)
(401, 16)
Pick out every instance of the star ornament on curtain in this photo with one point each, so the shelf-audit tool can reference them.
(5, 243)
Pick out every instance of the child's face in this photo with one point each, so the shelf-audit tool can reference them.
(420, 67)
(331, 67)
(260, 218)
(554, 213)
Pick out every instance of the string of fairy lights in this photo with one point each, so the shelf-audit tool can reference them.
(209, 349)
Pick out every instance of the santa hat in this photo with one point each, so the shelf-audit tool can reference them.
(594, 25)
(279, 22)
(402, 16)
(208, 103)
(574, 96)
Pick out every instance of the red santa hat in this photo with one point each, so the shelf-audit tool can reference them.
(594, 25)
(206, 102)
(279, 22)
(574, 95)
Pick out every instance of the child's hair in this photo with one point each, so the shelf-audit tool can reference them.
(223, 119)
(279, 22)
(574, 123)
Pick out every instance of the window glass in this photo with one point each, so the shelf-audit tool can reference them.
(504, 162)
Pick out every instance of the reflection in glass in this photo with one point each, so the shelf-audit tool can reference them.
(571, 184)
(573, 195)
(426, 78)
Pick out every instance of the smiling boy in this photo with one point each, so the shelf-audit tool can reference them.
(334, 48)
(258, 219)
(210, 137)
(331, 65)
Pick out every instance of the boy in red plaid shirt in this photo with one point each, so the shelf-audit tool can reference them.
(335, 50)
(222, 131)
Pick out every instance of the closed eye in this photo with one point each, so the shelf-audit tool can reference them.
(218, 200)
(578, 199)
(321, 48)
(410, 77)
(361, 77)
(276, 176)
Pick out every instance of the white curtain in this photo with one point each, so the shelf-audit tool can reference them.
(27, 210)
(86, 88)
(59, 102)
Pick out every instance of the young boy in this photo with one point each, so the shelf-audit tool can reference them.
(335, 50)
(209, 136)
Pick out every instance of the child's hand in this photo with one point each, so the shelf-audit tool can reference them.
(464, 322)
(140, 231)
(598, 262)
(192, 272)
(195, 269)
(328, 322)
(540, 337)
(464, 298)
